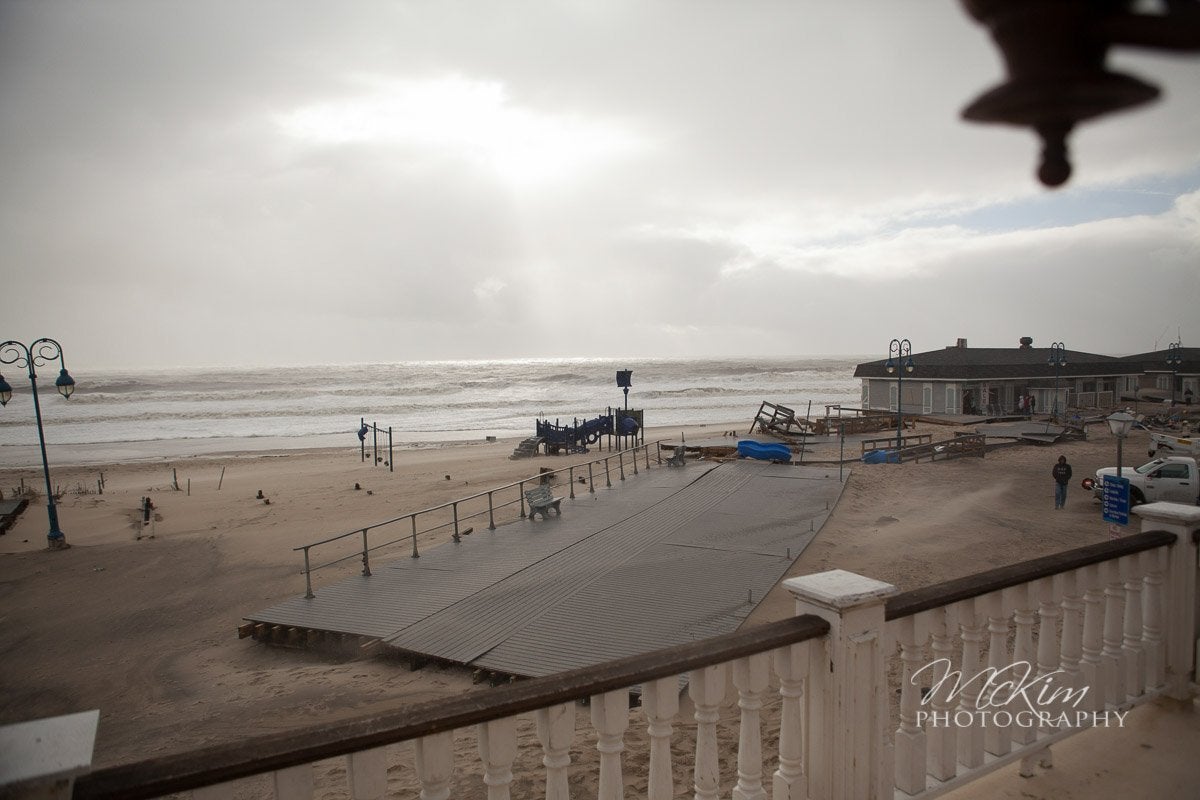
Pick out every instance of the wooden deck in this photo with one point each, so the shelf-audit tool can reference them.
(661, 559)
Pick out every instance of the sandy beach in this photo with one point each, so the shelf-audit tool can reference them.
(145, 629)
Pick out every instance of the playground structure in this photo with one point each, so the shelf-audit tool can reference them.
(622, 425)
(375, 431)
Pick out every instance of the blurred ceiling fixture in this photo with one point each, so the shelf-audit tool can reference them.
(1055, 52)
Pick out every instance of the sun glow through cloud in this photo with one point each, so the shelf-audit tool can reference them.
(472, 120)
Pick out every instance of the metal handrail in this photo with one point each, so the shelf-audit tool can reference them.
(363, 531)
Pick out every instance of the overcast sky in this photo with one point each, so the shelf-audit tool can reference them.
(208, 183)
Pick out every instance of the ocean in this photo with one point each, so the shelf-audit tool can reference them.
(174, 413)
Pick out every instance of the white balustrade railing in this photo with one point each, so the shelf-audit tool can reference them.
(1059, 643)
(1022, 657)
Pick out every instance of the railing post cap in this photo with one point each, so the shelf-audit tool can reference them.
(1177, 513)
(838, 589)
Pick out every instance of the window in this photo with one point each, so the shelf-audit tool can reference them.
(1174, 471)
(952, 400)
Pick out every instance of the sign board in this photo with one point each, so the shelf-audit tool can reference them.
(1115, 497)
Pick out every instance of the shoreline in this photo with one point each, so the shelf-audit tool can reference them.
(17, 458)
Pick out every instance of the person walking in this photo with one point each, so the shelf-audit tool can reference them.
(1062, 477)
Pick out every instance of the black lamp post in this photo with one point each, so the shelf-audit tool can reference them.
(899, 362)
(1174, 360)
(42, 351)
(624, 381)
(1058, 360)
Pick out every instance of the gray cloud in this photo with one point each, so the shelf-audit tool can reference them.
(279, 182)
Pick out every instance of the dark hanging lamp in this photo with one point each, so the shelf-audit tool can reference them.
(1055, 52)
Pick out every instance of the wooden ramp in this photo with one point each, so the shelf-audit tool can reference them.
(664, 558)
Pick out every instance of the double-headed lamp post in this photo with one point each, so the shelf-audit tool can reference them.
(1058, 360)
(899, 362)
(1174, 360)
(1120, 424)
(42, 351)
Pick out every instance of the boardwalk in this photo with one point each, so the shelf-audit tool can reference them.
(664, 558)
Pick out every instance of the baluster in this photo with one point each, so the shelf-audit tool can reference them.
(1112, 656)
(621, 462)
(1154, 562)
(435, 762)
(1091, 667)
(607, 476)
(791, 665)
(750, 677)
(556, 731)
(996, 738)
(293, 783)
(1131, 646)
(1048, 590)
(1072, 637)
(971, 615)
(910, 737)
(942, 741)
(497, 749)
(1024, 616)
(706, 687)
(571, 479)
(366, 772)
(633, 458)
(660, 704)
(591, 480)
(610, 718)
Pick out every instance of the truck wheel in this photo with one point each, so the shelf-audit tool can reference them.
(1136, 498)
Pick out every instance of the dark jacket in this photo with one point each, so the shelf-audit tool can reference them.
(1061, 473)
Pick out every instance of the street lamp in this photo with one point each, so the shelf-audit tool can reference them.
(624, 381)
(42, 351)
(1174, 359)
(899, 362)
(1058, 360)
(1120, 423)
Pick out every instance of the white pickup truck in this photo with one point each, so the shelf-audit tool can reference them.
(1175, 479)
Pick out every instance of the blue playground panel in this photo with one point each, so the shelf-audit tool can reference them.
(765, 452)
(881, 457)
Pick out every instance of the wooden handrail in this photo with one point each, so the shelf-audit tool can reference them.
(912, 602)
(225, 762)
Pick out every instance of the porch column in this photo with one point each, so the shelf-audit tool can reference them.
(849, 691)
(1181, 602)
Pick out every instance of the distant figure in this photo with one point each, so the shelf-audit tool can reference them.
(1187, 396)
(1062, 477)
(1032, 405)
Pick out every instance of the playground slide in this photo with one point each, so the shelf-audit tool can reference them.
(763, 451)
